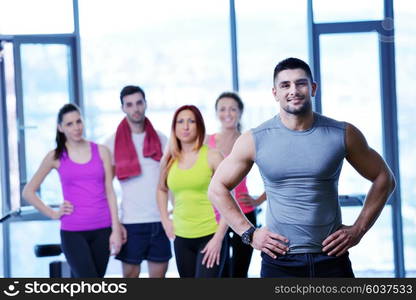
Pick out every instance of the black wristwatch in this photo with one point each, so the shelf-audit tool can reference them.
(247, 236)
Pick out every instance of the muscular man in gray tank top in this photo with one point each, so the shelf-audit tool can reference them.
(300, 155)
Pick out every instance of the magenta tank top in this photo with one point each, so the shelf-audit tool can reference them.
(84, 186)
(240, 189)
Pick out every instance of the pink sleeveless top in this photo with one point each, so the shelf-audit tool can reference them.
(239, 190)
(84, 186)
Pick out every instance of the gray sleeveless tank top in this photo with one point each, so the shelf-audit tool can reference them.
(300, 171)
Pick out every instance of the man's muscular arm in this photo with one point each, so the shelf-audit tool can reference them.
(371, 166)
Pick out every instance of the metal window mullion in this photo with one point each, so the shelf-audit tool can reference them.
(5, 172)
(44, 38)
(314, 56)
(390, 133)
(20, 114)
(233, 37)
(76, 74)
(347, 27)
(76, 66)
(71, 65)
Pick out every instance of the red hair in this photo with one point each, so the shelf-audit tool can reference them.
(175, 146)
(175, 143)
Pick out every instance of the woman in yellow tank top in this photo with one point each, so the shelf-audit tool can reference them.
(186, 171)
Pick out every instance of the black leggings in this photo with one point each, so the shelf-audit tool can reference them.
(87, 252)
(189, 257)
(237, 265)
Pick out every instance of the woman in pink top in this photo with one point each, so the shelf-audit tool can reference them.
(229, 109)
(90, 228)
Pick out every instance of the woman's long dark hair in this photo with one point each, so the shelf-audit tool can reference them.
(60, 137)
(237, 99)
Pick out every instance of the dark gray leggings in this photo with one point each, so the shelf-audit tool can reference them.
(189, 257)
(237, 266)
(87, 252)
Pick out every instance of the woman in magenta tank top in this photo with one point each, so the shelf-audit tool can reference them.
(229, 108)
(90, 228)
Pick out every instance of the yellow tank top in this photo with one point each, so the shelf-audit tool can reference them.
(193, 213)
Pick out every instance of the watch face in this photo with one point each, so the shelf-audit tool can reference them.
(247, 236)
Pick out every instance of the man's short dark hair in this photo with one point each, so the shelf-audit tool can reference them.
(129, 90)
(290, 64)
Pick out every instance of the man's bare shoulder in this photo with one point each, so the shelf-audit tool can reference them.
(244, 146)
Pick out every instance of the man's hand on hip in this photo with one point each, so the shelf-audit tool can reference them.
(269, 242)
(341, 240)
